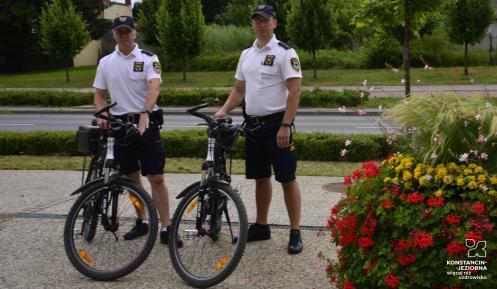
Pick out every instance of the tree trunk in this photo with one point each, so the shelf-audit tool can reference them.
(465, 58)
(183, 67)
(67, 70)
(406, 56)
(314, 63)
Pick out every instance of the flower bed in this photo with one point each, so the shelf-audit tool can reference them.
(406, 224)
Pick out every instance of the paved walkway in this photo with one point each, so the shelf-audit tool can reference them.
(34, 204)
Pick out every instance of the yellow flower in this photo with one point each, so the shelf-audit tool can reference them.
(472, 166)
(422, 181)
(399, 168)
(386, 180)
(481, 178)
(406, 176)
(448, 179)
(395, 180)
(467, 172)
(479, 170)
(429, 170)
(492, 193)
(472, 185)
(471, 178)
(452, 166)
(408, 185)
(460, 181)
(439, 193)
(493, 180)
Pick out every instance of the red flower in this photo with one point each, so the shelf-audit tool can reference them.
(415, 198)
(454, 248)
(392, 281)
(348, 285)
(347, 180)
(436, 202)
(365, 242)
(370, 169)
(477, 236)
(422, 240)
(369, 226)
(478, 208)
(356, 174)
(406, 259)
(387, 204)
(453, 219)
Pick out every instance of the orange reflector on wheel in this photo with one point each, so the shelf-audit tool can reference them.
(192, 206)
(86, 257)
(135, 202)
(221, 263)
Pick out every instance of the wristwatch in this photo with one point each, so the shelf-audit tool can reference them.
(286, 124)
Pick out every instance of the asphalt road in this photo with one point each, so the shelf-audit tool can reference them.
(324, 123)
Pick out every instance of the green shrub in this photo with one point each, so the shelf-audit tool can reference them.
(176, 97)
(193, 143)
(380, 49)
(228, 38)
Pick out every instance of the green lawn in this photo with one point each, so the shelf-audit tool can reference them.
(83, 77)
(173, 165)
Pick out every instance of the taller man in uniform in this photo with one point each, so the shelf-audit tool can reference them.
(268, 77)
(132, 77)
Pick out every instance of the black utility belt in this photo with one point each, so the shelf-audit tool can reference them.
(261, 120)
(156, 117)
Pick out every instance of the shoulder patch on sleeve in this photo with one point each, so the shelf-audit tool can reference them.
(284, 45)
(147, 52)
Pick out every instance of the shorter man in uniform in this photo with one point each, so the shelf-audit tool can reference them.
(132, 78)
(268, 77)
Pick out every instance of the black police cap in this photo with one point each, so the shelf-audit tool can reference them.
(123, 21)
(264, 10)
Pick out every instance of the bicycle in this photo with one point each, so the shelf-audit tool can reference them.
(210, 218)
(106, 208)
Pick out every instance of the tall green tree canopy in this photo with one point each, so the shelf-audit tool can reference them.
(311, 25)
(389, 14)
(468, 21)
(18, 30)
(145, 12)
(212, 8)
(63, 32)
(237, 12)
(180, 29)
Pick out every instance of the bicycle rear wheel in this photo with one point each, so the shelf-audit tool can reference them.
(212, 223)
(106, 255)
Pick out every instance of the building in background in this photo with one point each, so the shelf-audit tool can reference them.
(98, 48)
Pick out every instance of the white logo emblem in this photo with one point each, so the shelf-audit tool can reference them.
(122, 18)
(476, 249)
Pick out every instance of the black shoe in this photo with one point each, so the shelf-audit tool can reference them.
(258, 232)
(138, 230)
(164, 238)
(295, 245)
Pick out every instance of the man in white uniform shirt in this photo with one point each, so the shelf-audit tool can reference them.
(132, 78)
(268, 77)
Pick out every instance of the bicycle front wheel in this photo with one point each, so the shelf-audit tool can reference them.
(212, 222)
(104, 254)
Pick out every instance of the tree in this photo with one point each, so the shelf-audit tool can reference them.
(145, 13)
(389, 14)
(91, 10)
(311, 25)
(18, 31)
(180, 29)
(237, 12)
(347, 33)
(63, 32)
(212, 8)
(468, 21)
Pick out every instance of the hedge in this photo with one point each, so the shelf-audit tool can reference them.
(179, 97)
(193, 143)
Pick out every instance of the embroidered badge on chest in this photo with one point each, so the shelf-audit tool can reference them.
(269, 61)
(138, 66)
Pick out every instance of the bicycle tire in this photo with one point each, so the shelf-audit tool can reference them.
(91, 217)
(179, 256)
(84, 254)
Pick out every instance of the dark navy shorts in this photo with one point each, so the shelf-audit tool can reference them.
(145, 153)
(262, 153)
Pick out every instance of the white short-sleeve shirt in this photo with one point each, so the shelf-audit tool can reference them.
(265, 71)
(126, 78)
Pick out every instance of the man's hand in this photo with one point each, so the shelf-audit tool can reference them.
(102, 123)
(283, 137)
(143, 123)
(220, 114)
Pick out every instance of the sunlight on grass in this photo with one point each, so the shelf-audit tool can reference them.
(173, 165)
